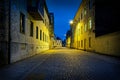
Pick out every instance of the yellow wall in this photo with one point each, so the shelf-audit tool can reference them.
(68, 41)
(108, 44)
(22, 44)
(40, 45)
(82, 29)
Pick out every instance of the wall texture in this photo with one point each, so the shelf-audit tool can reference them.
(108, 44)
(22, 44)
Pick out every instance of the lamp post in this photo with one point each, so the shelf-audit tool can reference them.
(71, 22)
(73, 27)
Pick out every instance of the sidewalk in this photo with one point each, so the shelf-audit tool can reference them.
(19, 69)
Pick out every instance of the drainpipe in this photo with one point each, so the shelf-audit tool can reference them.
(9, 35)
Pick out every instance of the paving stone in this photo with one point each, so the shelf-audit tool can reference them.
(64, 64)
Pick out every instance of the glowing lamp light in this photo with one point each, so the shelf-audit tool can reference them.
(71, 22)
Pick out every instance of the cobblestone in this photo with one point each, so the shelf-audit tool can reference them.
(64, 64)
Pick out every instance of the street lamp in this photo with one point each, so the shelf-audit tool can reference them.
(73, 24)
(71, 21)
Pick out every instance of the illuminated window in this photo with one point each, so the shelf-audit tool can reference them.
(22, 23)
(37, 32)
(31, 28)
(90, 23)
(40, 34)
(85, 12)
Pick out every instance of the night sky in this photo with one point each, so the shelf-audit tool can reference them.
(64, 11)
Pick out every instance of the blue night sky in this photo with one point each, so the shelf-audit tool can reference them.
(64, 11)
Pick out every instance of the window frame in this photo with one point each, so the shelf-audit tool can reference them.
(22, 23)
(31, 28)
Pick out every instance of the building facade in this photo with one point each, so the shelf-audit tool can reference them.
(57, 43)
(25, 29)
(95, 27)
(83, 27)
(4, 31)
(51, 30)
(68, 38)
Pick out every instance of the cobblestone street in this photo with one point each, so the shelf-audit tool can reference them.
(63, 64)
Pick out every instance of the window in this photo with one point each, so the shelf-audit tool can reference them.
(47, 38)
(40, 34)
(89, 42)
(85, 28)
(1, 17)
(43, 36)
(31, 28)
(90, 24)
(81, 43)
(90, 4)
(78, 31)
(81, 30)
(22, 23)
(34, 3)
(81, 16)
(85, 12)
(37, 32)
(45, 22)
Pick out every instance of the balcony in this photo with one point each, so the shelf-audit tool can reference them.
(36, 9)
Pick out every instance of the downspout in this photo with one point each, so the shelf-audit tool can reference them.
(9, 37)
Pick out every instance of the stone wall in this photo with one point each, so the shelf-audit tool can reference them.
(4, 32)
(22, 44)
(108, 44)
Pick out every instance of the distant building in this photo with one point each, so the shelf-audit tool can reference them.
(64, 43)
(96, 27)
(24, 29)
(57, 42)
(68, 38)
